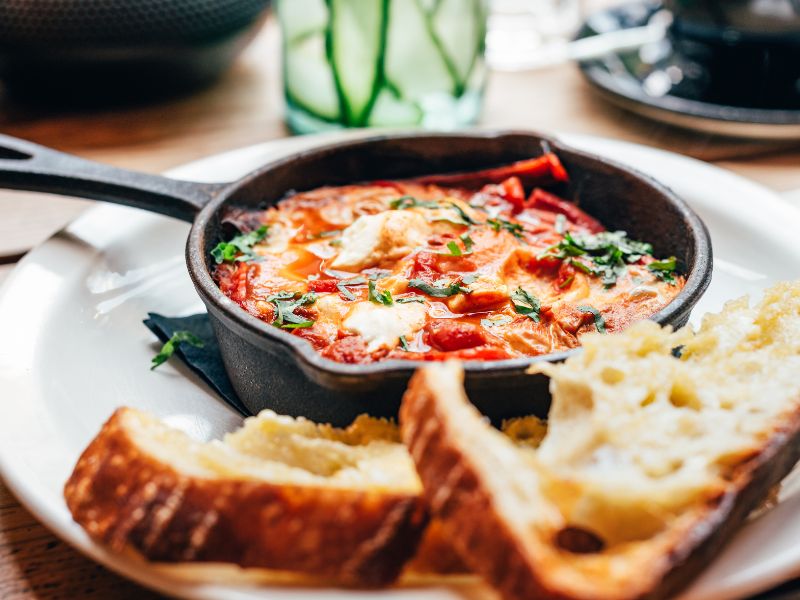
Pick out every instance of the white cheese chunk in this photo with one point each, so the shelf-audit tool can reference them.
(372, 239)
(381, 326)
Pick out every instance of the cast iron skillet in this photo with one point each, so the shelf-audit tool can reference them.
(270, 368)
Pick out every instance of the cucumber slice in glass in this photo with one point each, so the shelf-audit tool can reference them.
(415, 63)
(459, 26)
(390, 110)
(308, 78)
(429, 6)
(357, 37)
(299, 18)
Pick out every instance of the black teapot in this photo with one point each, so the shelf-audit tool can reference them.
(742, 52)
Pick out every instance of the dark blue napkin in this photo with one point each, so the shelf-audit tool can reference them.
(206, 362)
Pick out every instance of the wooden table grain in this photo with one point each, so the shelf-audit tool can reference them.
(245, 107)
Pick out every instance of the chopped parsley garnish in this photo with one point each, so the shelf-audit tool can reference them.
(467, 220)
(342, 286)
(664, 269)
(501, 320)
(581, 266)
(526, 304)
(404, 343)
(455, 249)
(608, 253)
(409, 299)
(384, 297)
(285, 305)
(242, 243)
(599, 321)
(514, 229)
(439, 289)
(404, 202)
(566, 282)
(169, 347)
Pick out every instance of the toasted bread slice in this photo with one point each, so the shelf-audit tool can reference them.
(280, 493)
(649, 464)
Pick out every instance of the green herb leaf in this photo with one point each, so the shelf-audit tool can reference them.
(404, 343)
(465, 218)
(454, 249)
(384, 297)
(405, 202)
(599, 322)
(581, 266)
(514, 229)
(342, 286)
(299, 325)
(240, 248)
(169, 347)
(501, 320)
(409, 299)
(526, 304)
(664, 269)
(285, 305)
(468, 242)
(439, 289)
(609, 252)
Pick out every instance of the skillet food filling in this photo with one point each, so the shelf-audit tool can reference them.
(470, 266)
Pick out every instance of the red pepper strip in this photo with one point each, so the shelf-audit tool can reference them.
(535, 171)
(546, 201)
(323, 285)
(557, 169)
(386, 183)
(510, 190)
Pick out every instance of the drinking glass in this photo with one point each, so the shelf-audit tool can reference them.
(372, 63)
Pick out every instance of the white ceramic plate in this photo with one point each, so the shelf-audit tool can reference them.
(74, 349)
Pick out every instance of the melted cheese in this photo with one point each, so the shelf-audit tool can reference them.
(372, 239)
(381, 326)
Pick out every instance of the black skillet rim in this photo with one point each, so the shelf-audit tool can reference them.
(698, 277)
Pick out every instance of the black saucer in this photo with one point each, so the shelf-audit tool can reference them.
(664, 82)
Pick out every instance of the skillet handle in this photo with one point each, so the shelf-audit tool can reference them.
(30, 167)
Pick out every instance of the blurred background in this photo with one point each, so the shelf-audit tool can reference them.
(151, 84)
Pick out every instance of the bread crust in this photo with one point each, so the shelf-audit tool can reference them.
(126, 497)
(519, 564)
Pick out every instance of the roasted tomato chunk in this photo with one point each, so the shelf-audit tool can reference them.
(323, 285)
(448, 335)
(351, 349)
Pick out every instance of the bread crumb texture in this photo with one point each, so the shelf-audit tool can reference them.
(284, 450)
(636, 434)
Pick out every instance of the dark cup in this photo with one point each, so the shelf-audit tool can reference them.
(744, 52)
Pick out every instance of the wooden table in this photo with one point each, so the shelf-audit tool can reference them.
(245, 108)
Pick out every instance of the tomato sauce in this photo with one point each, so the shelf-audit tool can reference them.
(477, 266)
